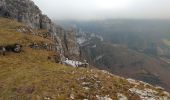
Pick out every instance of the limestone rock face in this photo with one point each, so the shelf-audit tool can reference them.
(27, 12)
(69, 42)
(45, 23)
(71, 46)
(23, 10)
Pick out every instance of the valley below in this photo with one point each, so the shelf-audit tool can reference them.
(48, 59)
(130, 48)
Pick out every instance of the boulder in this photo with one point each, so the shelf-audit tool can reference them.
(14, 48)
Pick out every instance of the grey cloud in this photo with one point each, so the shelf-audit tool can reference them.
(103, 9)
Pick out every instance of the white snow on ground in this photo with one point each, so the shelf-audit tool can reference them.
(81, 40)
(85, 37)
(72, 63)
(103, 98)
(121, 97)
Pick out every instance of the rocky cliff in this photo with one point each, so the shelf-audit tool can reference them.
(24, 11)
(31, 75)
(27, 12)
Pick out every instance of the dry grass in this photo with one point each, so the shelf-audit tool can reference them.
(30, 76)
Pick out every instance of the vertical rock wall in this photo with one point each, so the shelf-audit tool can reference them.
(27, 12)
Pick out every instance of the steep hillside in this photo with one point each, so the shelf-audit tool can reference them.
(31, 75)
(121, 60)
(131, 48)
(27, 12)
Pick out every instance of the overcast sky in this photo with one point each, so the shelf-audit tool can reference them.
(104, 9)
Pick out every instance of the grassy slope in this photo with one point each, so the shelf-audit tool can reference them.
(29, 75)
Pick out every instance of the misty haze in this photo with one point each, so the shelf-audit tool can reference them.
(84, 50)
(104, 9)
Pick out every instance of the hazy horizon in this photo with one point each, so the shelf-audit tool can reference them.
(105, 9)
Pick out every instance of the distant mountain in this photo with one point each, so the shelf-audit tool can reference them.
(147, 36)
(131, 48)
(151, 37)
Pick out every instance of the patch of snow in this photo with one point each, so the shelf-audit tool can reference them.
(85, 36)
(121, 96)
(72, 63)
(97, 36)
(103, 98)
(81, 40)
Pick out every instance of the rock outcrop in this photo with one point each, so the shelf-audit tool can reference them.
(22, 10)
(27, 12)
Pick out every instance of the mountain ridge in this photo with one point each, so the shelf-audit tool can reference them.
(34, 74)
(30, 75)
